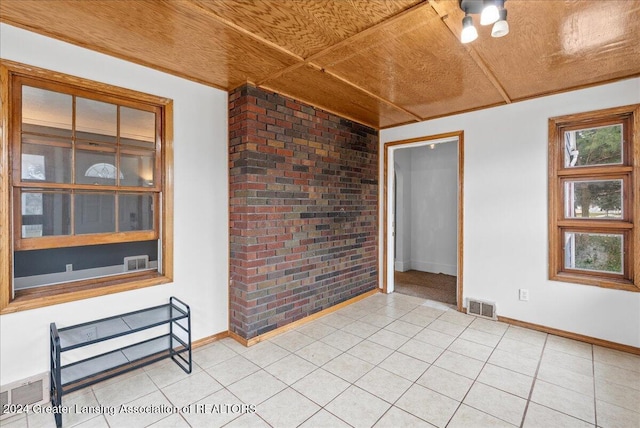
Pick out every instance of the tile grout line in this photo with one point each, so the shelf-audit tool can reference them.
(93, 392)
(323, 407)
(413, 383)
(533, 384)
(375, 366)
(447, 349)
(241, 401)
(321, 368)
(469, 327)
(318, 368)
(478, 375)
(392, 405)
(432, 364)
(165, 396)
(474, 379)
(225, 387)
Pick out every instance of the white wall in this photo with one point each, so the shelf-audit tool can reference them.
(434, 203)
(200, 215)
(402, 169)
(505, 214)
(426, 203)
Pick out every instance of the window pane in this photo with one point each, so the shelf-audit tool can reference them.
(593, 199)
(137, 169)
(96, 121)
(136, 212)
(94, 213)
(593, 146)
(96, 167)
(46, 112)
(45, 214)
(137, 127)
(596, 252)
(46, 159)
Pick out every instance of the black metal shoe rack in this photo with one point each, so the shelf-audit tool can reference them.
(176, 344)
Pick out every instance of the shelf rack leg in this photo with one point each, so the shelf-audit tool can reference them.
(55, 380)
(173, 336)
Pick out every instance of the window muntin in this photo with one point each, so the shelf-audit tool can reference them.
(76, 142)
(592, 188)
(45, 189)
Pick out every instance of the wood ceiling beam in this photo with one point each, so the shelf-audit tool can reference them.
(343, 42)
(242, 30)
(264, 83)
(281, 72)
(309, 60)
(487, 72)
(477, 58)
(303, 61)
(367, 31)
(371, 94)
(28, 26)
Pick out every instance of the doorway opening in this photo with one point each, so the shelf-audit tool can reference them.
(422, 250)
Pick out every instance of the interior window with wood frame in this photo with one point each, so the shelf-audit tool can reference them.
(593, 198)
(87, 197)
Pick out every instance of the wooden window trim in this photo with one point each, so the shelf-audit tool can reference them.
(628, 171)
(78, 290)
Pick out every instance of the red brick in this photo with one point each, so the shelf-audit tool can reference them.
(282, 200)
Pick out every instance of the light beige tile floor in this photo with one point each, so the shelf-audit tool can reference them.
(385, 361)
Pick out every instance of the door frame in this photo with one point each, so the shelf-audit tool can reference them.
(389, 170)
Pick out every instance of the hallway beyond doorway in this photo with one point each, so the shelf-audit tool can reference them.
(427, 285)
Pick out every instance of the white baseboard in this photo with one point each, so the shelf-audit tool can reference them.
(402, 266)
(434, 267)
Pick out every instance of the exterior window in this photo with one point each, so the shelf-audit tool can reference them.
(88, 189)
(593, 198)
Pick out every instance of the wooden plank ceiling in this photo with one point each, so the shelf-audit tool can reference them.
(379, 62)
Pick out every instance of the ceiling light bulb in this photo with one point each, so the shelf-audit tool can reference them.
(433, 146)
(501, 28)
(469, 32)
(490, 14)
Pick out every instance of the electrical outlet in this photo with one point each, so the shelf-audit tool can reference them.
(69, 267)
(524, 294)
(89, 334)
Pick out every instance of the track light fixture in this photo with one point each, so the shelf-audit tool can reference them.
(469, 32)
(491, 12)
(501, 27)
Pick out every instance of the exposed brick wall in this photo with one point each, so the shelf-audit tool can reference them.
(303, 210)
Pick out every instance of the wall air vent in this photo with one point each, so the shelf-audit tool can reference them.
(482, 308)
(136, 263)
(34, 390)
